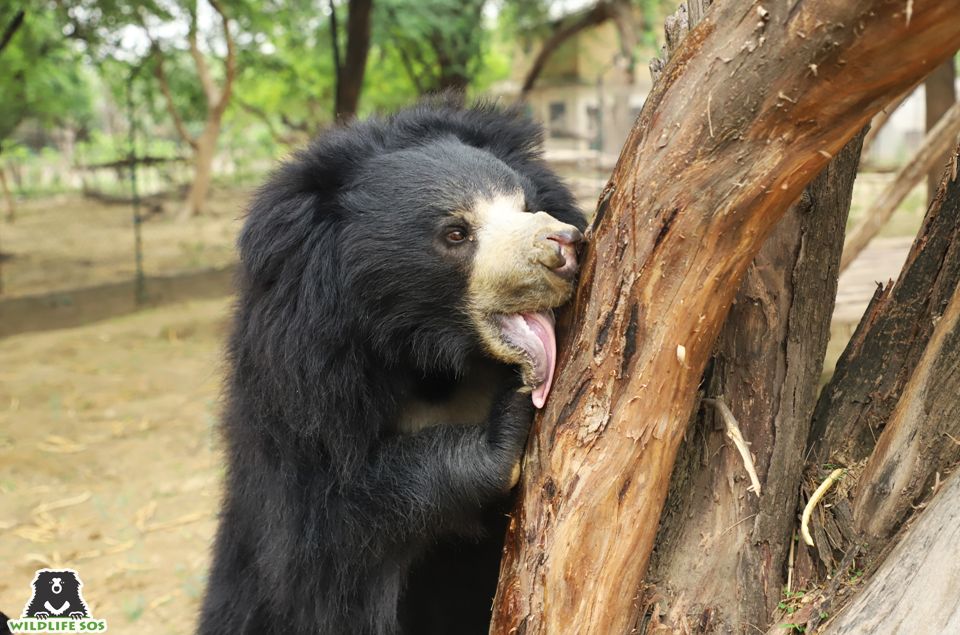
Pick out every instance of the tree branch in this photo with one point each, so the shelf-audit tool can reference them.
(566, 29)
(160, 73)
(276, 135)
(335, 50)
(230, 63)
(203, 71)
(11, 29)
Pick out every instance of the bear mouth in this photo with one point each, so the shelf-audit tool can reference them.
(534, 335)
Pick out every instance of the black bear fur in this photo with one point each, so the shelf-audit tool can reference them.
(333, 522)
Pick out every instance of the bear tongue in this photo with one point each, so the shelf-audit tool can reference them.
(534, 333)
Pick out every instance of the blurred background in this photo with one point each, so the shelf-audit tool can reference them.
(131, 135)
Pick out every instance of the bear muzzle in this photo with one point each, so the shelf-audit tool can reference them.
(561, 254)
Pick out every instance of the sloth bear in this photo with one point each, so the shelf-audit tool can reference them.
(392, 336)
(56, 593)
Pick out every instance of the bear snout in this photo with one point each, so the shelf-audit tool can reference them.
(561, 255)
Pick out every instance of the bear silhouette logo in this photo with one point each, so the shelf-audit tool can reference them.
(56, 594)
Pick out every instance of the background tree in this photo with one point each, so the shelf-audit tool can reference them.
(216, 97)
(41, 79)
(438, 40)
(350, 67)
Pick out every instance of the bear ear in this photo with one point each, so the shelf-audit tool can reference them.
(301, 200)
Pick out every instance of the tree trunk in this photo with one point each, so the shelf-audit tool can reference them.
(922, 437)
(8, 196)
(890, 340)
(931, 154)
(897, 381)
(203, 156)
(941, 93)
(217, 99)
(686, 210)
(350, 74)
(915, 590)
(720, 554)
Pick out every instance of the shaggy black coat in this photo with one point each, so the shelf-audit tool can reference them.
(332, 521)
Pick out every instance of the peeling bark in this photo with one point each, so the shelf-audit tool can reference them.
(686, 210)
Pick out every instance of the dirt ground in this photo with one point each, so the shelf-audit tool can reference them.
(109, 462)
(69, 241)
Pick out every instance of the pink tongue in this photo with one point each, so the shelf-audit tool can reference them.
(541, 324)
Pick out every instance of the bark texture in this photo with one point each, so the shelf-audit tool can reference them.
(889, 341)
(720, 560)
(685, 212)
(915, 590)
(896, 382)
(719, 563)
(922, 438)
(941, 93)
(929, 156)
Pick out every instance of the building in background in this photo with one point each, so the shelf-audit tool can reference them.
(586, 95)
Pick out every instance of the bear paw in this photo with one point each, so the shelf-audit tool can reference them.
(41, 615)
(77, 615)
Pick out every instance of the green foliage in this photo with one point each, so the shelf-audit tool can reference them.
(41, 78)
(440, 43)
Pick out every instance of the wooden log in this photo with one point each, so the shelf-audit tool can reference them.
(778, 90)
(915, 590)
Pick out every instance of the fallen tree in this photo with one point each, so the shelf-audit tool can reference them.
(753, 105)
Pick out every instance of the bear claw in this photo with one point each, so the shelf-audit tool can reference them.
(515, 475)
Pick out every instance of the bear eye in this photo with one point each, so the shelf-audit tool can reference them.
(456, 235)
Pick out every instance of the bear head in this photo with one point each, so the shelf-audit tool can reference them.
(448, 246)
(428, 236)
